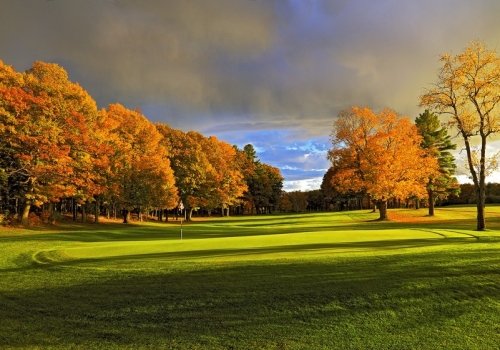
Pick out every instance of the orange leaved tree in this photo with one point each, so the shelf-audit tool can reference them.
(229, 182)
(35, 121)
(379, 154)
(141, 171)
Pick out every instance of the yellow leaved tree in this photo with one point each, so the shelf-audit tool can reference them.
(468, 92)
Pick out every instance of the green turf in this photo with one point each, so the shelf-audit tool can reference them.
(305, 281)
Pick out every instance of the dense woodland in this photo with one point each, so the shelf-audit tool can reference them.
(60, 155)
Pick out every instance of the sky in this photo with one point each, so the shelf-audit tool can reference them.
(272, 73)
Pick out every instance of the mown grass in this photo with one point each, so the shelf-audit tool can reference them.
(305, 281)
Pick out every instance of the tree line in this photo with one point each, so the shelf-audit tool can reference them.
(57, 149)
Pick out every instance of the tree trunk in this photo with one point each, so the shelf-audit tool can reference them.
(480, 197)
(26, 212)
(430, 193)
(382, 206)
(126, 216)
(189, 213)
(84, 212)
(51, 213)
(75, 209)
(97, 207)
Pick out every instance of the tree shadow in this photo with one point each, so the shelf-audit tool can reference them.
(224, 306)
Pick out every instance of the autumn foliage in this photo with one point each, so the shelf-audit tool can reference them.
(379, 155)
(467, 92)
(55, 145)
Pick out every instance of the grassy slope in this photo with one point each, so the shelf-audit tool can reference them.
(326, 280)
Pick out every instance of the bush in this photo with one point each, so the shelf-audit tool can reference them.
(4, 219)
(56, 216)
(34, 220)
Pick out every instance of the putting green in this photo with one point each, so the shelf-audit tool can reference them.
(283, 245)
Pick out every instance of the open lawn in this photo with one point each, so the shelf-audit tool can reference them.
(304, 281)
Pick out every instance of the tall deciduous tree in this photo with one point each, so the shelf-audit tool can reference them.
(436, 140)
(193, 172)
(468, 92)
(37, 110)
(378, 154)
(73, 110)
(142, 168)
(229, 183)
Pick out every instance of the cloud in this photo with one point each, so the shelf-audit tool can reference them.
(287, 60)
(248, 71)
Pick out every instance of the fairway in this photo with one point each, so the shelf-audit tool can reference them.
(294, 281)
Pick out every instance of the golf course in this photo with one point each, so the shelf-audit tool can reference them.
(325, 280)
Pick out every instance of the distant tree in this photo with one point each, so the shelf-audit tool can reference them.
(298, 200)
(285, 202)
(251, 153)
(468, 91)
(380, 155)
(264, 182)
(315, 200)
(436, 140)
(328, 188)
(247, 164)
(266, 188)
(492, 192)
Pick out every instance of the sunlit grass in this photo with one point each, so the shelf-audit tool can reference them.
(305, 281)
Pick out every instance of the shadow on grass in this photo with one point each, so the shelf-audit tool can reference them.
(395, 301)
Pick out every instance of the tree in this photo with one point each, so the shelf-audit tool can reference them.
(328, 188)
(194, 175)
(37, 113)
(380, 155)
(468, 92)
(142, 169)
(266, 188)
(436, 140)
(229, 183)
(298, 200)
(247, 161)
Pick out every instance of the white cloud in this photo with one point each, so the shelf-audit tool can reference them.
(303, 185)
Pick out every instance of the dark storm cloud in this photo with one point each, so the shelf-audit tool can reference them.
(228, 67)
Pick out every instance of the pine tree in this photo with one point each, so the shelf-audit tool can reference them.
(436, 140)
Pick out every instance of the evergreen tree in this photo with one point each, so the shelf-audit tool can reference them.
(438, 142)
